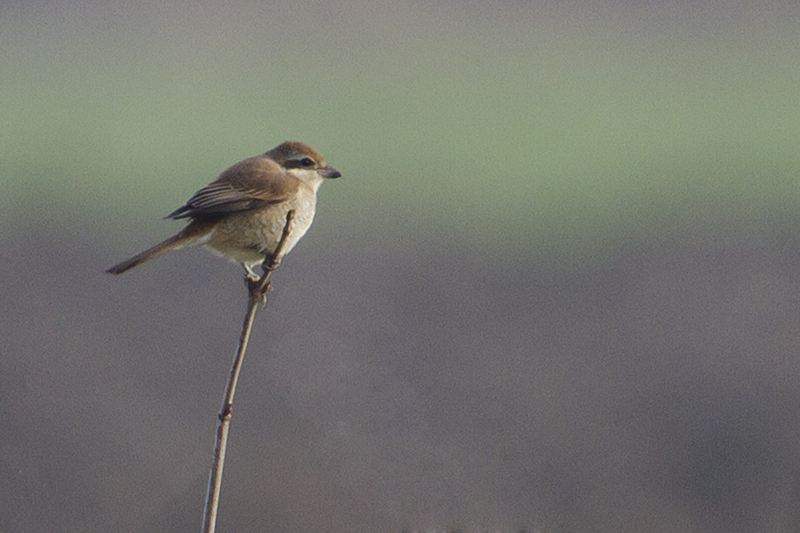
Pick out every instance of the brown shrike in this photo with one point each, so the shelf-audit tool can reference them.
(241, 214)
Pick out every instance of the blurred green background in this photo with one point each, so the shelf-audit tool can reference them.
(519, 177)
(518, 123)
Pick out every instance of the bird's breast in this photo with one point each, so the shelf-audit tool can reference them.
(248, 236)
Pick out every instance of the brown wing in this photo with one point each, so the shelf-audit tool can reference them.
(254, 183)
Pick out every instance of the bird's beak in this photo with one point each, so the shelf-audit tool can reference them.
(329, 172)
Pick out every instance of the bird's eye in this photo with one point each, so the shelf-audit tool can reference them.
(307, 162)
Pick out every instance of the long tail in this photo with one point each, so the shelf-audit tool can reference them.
(195, 233)
(173, 243)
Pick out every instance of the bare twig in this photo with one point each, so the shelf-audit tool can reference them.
(258, 295)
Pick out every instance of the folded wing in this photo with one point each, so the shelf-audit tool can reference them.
(251, 184)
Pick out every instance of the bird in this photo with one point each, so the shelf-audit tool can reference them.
(241, 215)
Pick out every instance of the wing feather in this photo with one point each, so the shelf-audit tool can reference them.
(251, 184)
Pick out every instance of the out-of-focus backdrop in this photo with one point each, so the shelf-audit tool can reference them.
(557, 288)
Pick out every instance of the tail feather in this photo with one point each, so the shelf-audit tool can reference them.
(173, 243)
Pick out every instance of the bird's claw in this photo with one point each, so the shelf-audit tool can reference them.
(256, 289)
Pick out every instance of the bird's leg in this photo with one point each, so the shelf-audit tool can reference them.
(259, 286)
(253, 283)
(250, 275)
(256, 285)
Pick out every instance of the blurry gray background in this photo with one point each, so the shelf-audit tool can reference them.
(556, 290)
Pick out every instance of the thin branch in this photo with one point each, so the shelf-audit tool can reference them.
(257, 295)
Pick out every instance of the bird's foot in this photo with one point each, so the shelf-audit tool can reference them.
(249, 273)
(251, 277)
(257, 288)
